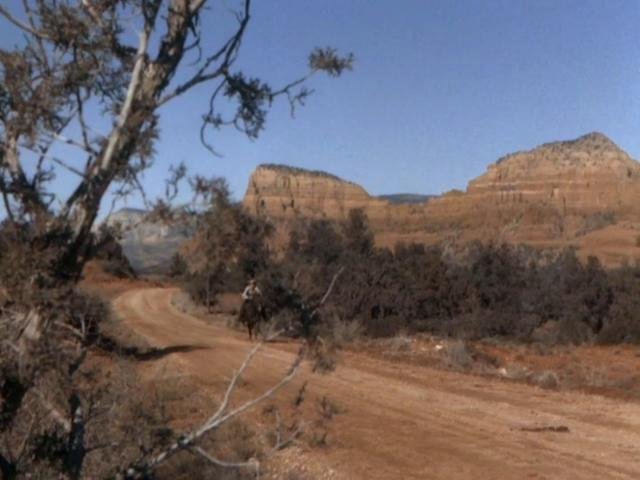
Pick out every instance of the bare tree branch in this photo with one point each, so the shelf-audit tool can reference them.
(20, 185)
(253, 464)
(221, 416)
(329, 290)
(56, 414)
(83, 123)
(70, 141)
(21, 25)
(228, 50)
(5, 201)
(107, 157)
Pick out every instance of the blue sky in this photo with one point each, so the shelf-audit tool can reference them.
(440, 89)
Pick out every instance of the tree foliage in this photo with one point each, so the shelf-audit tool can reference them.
(228, 246)
(81, 92)
(479, 291)
(80, 58)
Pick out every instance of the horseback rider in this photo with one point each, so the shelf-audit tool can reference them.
(251, 291)
(251, 311)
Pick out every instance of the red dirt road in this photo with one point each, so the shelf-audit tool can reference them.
(408, 422)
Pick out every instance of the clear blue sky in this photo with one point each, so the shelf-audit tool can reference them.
(440, 89)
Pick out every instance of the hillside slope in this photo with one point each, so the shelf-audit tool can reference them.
(554, 195)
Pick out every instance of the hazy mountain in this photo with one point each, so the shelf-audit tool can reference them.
(148, 245)
(406, 197)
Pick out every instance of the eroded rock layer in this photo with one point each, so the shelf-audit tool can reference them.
(556, 194)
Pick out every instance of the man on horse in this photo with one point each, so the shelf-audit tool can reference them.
(251, 291)
(251, 311)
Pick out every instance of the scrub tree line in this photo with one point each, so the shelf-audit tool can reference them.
(475, 292)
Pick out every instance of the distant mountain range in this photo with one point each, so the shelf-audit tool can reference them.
(148, 245)
(406, 198)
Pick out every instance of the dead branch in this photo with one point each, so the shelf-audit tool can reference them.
(58, 416)
(280, 442)
(21, 25)
(330, 289)
(253, 463)
(221, 415)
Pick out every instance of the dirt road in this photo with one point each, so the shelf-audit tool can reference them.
(407, 422)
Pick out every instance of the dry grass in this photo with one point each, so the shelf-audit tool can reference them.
(401, 343)
(609, 371)
(458, 356)
(339, 333)
(547, 379)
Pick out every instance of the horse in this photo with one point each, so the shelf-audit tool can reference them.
(251, 314)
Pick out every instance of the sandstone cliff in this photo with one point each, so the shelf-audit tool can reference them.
(587, 174)
(557, 194)
(283, 193)
(556, 191)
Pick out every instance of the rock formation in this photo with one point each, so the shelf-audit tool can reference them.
(580, 176)
(583, 192)
(555, 191)
(284, 193)
(554, 195)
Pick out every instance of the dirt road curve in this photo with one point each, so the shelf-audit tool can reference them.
(404, 422)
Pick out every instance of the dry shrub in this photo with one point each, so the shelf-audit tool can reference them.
(475, 292)
(593, 376)
(339, 332)
(458, 356)
(622, 324)
(573, 330)
(323, 355)
(546, 335)
(481, 292)
(326, 410)
(237, 441)
(183, 302)
(547, 379)
(384, 326)
(400, 343)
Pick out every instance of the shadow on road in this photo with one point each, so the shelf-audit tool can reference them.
(147, 354)
(156, 353)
